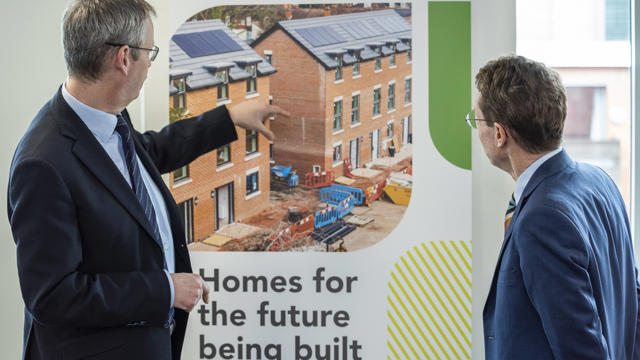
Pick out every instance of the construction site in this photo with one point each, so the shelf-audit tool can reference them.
(321, 212)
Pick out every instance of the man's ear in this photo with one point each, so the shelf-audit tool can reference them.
(501, 135)
(122, 60)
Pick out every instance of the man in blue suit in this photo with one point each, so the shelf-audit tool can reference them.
(102, 260)
(565, 285)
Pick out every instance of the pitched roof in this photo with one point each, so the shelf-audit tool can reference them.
(324, 37)
(201, 47)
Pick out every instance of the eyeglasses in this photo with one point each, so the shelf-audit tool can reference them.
(472, 121)
(152, 52)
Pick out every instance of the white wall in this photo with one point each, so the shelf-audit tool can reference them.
(33, 67)
(491, 188)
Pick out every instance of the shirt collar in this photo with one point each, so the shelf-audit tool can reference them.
(101, 124)
(524, 178)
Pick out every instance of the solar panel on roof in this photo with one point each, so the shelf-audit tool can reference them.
(206, 43)
(320, 35)
(361, 29)
(392, 24)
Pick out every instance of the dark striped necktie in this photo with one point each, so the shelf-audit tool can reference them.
(136, 180)
(510, 209)
(139, 188)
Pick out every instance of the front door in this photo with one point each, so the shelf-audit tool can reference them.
(375, 144)
(354, 152)
(224, 205)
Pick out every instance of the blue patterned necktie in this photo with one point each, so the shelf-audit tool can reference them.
(138, 185)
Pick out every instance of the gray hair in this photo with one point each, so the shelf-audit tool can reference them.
(88, 24)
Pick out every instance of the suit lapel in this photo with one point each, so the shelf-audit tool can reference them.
(87, 149)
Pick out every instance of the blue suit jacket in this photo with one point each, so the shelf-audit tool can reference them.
(565, 284)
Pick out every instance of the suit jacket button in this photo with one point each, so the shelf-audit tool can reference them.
(490, 338)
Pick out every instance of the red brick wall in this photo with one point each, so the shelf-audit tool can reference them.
(303, 87)
(297, 86)
(365, 84)
(203, 175)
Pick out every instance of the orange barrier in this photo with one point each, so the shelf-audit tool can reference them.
(348, 167)
(320, 179)
(294, 232)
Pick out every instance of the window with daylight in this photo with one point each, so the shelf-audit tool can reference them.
(268, 58)
(186, 211)
(252, 183)
(337, 115)
(223, 89)
(391, 102)
(378, 63)
(376, 102)
(252, 85)
(407, 91)
(356, 68)
(224, 155)
(355, 109)
(181, 174)
(180, 98)
(339, 68)
(252, 141)
(337, 154)
(390, 130)
(392, 60)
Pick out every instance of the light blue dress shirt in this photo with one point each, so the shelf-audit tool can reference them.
(103, 126)
(524, 178)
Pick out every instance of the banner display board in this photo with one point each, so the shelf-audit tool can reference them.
(349, 235)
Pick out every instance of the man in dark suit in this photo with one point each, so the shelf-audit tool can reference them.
(102, 260)
(565, 284)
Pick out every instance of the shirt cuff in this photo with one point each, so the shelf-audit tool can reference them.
(170, 287)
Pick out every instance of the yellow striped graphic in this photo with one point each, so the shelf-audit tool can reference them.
(430, 302)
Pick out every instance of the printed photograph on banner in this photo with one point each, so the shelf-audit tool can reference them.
(338, 176)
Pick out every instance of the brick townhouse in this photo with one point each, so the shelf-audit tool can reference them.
(212, 66)
(347, 81)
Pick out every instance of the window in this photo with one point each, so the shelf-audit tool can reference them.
(252, 81)
(186, 210)
(378, 63)
(390, 130)
(392, 60)
(252, 183)
(409, 56)
(617, 15)
(223, 89)
(224, 155)
(337, 115)
(337, 154)
(339, 68)
(181, 173)
(391, 102)
(355, 109)
(376, 102)
(356, 68)
(251, 141)
(268, 58)
(180, 98)
(407, 91)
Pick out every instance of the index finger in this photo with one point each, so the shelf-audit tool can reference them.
(277, 110)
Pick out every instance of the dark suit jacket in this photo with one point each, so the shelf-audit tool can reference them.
(90, 272)
(565, 284)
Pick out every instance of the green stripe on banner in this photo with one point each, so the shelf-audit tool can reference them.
(450, 80)
(429, 312)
